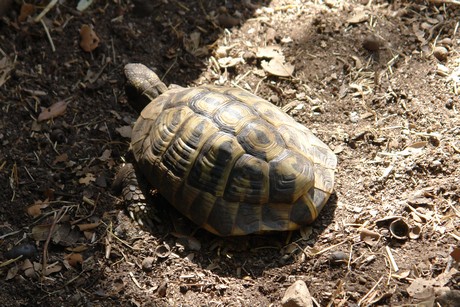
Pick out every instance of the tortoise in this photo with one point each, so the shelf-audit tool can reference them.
(230, 161)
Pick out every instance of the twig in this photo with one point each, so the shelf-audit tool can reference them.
(370, 291)
(45, 10)
(9, 234)
(135, 280)
(48, 35)
(56, 220)
(394, 266)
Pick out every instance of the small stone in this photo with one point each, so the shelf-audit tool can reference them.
(25, 250)
(440, 53)
(297, 295)
(147, 263)
(337, 257)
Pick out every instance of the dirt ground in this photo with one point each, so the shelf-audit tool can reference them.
(376, 80)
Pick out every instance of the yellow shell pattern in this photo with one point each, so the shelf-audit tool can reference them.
(232, 162)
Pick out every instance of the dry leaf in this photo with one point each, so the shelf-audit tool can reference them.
(88, 38)
(401, 275)
(65, 235)
(358, 18)
(456, 254)
(105, 155)
(277, 68)
(229, 62)
(26, 10)
(85, 227)
(52, 268)
(12, 272)
(369, 237)
(74, 259)
(35, 210)
(89, 235)
(54, 110)
(124, 131)
(61, 158)
(414, 148)
(83, 5)
(40, 232)
(77, 249)
(87, 179)
(269, 52)
(29, 268)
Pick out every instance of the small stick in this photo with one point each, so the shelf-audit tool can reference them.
(394, 266)
(135, 280)
(45, 10)
(370, 291)
(48, 35)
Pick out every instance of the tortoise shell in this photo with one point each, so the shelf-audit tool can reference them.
(232, 162)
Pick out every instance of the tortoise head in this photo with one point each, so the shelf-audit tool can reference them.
(142, 85)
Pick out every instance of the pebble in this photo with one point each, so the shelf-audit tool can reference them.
(25, 250)
(440, 53)
(297, 295)
(338, 257)
(147, 263)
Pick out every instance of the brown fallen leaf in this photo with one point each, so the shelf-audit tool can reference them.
(88, 38)
(456, 254)
(370, 237)
(53, 111)
(65, 235)
(52, 268)
(124, 131)
(105, 155)
(27, 9)
(276, 67)
(12, 272)
(40, 232)
(74, 259)
(358, 18)
(86, 227)
(87, 179)
(269, 52)
(35, 210)
(61, 158)
(77, 249)
(28, 268)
